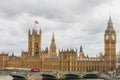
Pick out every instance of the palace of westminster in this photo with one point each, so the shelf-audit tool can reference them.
(63, 60)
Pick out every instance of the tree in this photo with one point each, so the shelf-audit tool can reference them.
(118, 66)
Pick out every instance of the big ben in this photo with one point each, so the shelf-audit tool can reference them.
(110, 46)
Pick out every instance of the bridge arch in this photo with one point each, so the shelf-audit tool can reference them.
(49, 76)
(71, 76)
(17, 76)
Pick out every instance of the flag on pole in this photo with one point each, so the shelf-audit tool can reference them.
(36, 22)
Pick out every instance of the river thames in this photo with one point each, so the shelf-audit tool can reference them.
(37, 76)
(10, 78)
(6, 78)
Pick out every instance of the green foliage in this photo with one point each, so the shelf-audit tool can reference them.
(119, 67)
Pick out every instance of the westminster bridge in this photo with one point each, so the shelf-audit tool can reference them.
(55, 75)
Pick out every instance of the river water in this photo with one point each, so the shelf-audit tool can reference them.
(6, 78)
(10, 78)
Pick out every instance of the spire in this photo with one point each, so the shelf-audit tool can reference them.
(110, 20)
(53, 46)
(29, 32)
(87, 56)
(12, 54)
(81, 49)
(46, 50)
(40, 31)
(53, 39)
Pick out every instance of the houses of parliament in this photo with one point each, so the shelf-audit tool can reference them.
(50, 59)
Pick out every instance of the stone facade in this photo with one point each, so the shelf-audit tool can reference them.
(63, 60)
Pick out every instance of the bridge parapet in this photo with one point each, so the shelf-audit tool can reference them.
(61, 74)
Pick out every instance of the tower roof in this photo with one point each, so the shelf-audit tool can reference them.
(81, 49)
(110, 20)
(110, 26)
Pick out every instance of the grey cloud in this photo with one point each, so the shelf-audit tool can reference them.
(58, 10)
(71, 20)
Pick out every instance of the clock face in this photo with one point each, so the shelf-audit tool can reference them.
(113, 37)
(107, 37)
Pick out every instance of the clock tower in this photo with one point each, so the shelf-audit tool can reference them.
(110, 46)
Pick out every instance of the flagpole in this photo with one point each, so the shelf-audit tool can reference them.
(36, 22)
(35, 25)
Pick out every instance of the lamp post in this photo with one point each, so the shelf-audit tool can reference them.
(41, 64)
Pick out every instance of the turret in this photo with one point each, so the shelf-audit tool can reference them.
(29, 32)
(81, 53)
(40, 32)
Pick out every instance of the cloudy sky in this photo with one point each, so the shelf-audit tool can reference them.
(74, 23)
